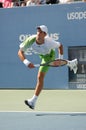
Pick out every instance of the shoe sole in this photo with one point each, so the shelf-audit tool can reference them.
(26, 102)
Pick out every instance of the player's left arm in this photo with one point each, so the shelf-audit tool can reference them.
(56, 44)
(60, 51)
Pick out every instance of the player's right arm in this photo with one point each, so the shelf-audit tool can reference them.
(23, 48)
(21, 55)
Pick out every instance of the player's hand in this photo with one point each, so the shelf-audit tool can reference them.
(31, 66)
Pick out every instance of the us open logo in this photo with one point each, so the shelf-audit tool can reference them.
(76, 15)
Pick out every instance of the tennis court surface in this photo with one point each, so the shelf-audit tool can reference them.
(42, 121)
(55, 110)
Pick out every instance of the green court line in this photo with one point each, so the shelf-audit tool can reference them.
(49, 100)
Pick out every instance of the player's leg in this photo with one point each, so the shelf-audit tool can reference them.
(40, 82)
(39, 86)
(40, 79)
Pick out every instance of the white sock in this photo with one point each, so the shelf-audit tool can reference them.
(33, 99)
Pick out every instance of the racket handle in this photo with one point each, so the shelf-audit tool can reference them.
(37, 65)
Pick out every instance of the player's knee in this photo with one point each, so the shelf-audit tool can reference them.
(41, 76)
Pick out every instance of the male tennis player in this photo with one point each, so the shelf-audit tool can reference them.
(44, 46)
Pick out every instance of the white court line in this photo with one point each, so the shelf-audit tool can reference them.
(44, 112)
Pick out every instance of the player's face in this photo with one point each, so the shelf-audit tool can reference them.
(40, 34)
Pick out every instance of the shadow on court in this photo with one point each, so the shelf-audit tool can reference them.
(42, 121)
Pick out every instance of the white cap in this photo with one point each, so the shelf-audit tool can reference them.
(43, 28)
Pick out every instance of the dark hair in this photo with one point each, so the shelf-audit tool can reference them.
(1, 5)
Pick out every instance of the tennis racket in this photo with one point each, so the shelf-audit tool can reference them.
(53, 63)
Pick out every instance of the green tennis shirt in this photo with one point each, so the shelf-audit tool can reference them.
(46, 51)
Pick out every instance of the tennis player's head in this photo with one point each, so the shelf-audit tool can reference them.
(43, 28)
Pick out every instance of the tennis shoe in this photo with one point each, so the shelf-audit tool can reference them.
(73, 65)
(30, 104)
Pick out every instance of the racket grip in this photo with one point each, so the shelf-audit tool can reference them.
(37, 65)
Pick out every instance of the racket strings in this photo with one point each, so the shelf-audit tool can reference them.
(57, 63)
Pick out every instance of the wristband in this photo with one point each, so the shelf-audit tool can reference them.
(26, 62)
(60, 56)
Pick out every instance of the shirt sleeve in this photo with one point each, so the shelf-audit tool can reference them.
(27, 43)
(52, 43)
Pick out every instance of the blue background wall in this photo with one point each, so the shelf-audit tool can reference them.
(67, 23)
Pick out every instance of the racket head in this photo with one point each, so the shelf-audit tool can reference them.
(55, 63)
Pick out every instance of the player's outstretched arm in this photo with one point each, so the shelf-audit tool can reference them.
(60, 50)
(24, 60)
